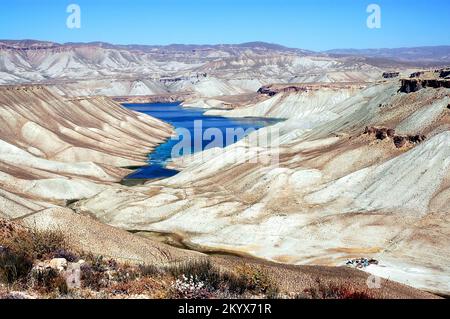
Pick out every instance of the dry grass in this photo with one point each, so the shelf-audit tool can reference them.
(238, 282)
(14, 266)
(20, 247)
(34, 243)
(335, 291)
(48, 281)
(210, 277)
(151, 287)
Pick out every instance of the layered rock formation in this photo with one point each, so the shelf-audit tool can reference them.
(389, 75)
(336, 193)
(295, 101)
(426, 56)
(422, 79)
(206, 71)
(414, 85)
(56, 149)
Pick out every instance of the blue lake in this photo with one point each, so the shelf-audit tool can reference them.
(186, 120)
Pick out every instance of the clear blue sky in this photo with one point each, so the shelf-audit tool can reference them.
(308, 24)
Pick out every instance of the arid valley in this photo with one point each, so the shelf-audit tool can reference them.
(359, 190)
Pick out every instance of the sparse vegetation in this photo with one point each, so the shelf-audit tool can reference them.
(335, 291)
(47, 243)
(149, 270)
(20, 251)
(48, 281)
(245, 280)
(26, 257)
(34, 243)
(14, 266)
(256, 280)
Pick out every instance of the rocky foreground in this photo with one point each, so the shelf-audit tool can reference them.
(48, 263)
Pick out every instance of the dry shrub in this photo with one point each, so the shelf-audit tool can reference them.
(142, 286)
(34, 243)
(125, 273)
(337, 291)
(244, 280)
(93, 277)
(255, 280)
(47, 243)
(191, 288)
(12, 234)
(48, 280)
(14, 266)
(150, 270)
(21, 246)
(200, 270)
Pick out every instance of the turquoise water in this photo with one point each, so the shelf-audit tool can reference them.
(183, 119)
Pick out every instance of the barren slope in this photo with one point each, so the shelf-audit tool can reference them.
(206, 71)
(336, 193)
(54, 149)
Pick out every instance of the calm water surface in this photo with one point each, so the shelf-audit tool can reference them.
(183, 118)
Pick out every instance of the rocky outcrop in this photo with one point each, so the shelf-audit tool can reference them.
(414, 85)
(382, 133)
(191, 78)
(444, 73)
(400, 141)
(266, 90)
(157, 98)
(273, 89)
(416, 74)
(390, 75)
(431, 74)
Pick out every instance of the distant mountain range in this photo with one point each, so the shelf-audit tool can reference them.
(429, 54)
(231, 48)
(205, 70)
(424, 55)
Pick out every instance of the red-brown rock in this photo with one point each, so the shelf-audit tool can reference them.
(399, 141)
(391, 133)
